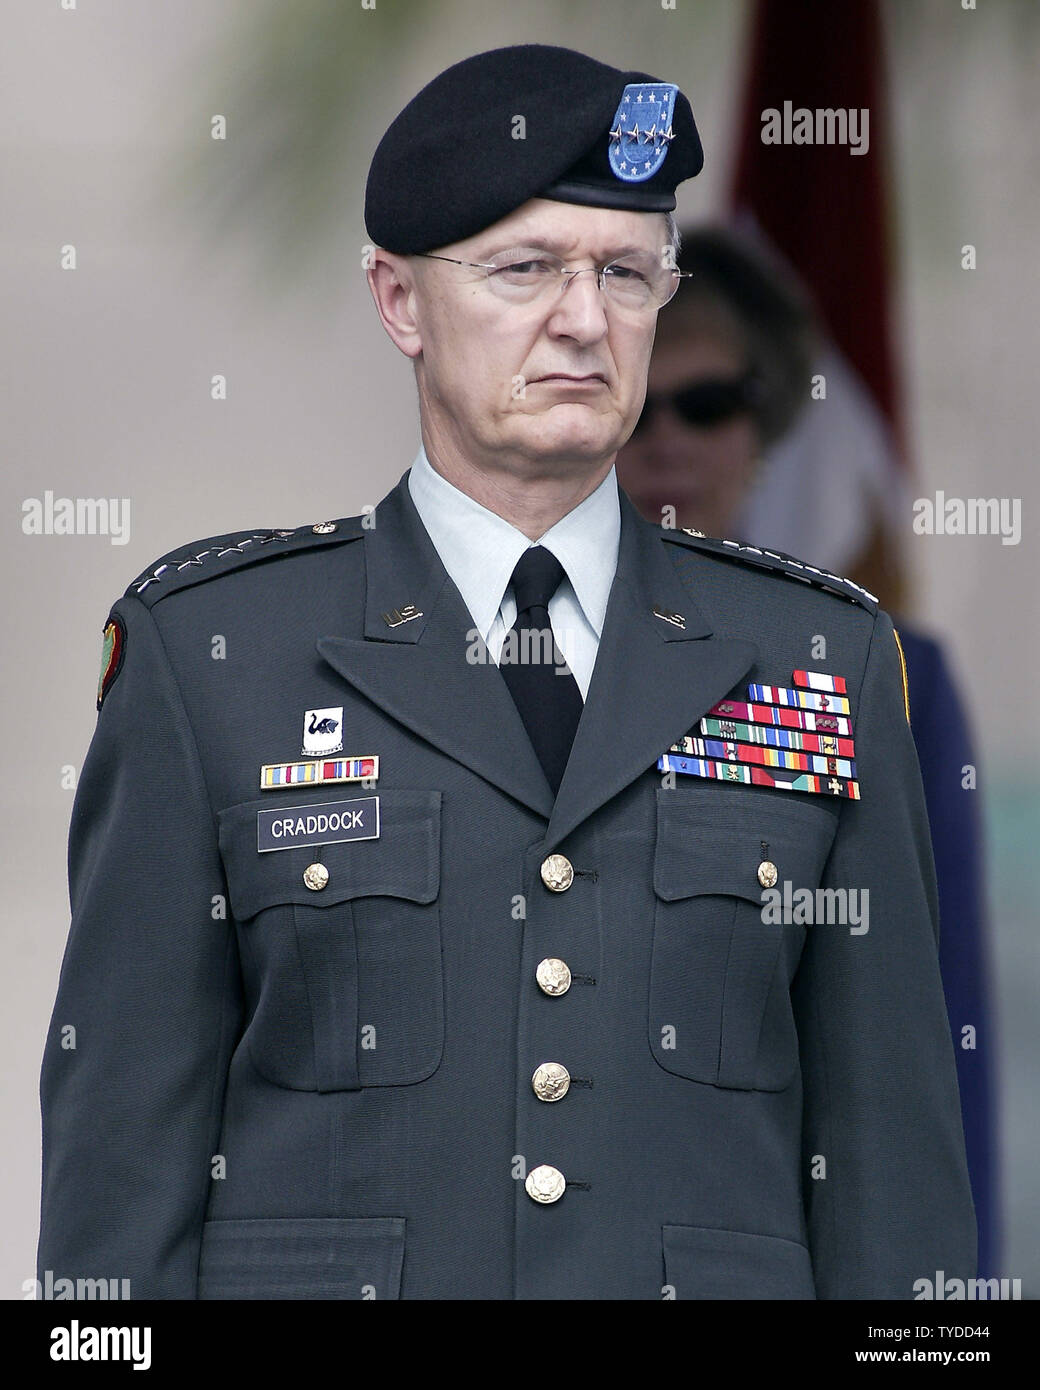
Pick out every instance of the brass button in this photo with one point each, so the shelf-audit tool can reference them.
(545, 1183)
(557, 873)
(324, 528)
(767, 873)
(553, 976)
(551, 1081)
(315, 876)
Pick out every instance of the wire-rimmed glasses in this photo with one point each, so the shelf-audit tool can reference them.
(637, 280)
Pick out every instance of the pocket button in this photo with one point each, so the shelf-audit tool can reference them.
(767, 873)
(316, 876)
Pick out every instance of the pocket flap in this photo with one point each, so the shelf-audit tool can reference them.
(710, 840)
(702, 1262)
(299, 1257)
(402, 861)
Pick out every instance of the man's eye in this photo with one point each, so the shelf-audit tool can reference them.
(625, 272)
(525, 270)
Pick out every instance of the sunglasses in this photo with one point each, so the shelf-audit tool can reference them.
(708, 401)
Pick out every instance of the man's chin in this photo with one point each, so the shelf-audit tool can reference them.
(580, 434)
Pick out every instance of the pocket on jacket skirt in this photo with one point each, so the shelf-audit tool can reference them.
(702, 1262)
(345, 982)
(719, 995)
(293, 1258)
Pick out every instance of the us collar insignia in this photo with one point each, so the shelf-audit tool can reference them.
(641, 130)
(792, 739)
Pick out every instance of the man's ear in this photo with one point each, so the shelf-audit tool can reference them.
(391, 278)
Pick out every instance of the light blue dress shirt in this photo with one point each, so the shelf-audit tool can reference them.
(479, 549)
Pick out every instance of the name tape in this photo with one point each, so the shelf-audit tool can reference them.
(325, 822)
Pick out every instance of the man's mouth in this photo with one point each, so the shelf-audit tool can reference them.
(568, 378)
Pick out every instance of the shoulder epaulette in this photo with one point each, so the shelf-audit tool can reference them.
(778, 562)
(217, 555)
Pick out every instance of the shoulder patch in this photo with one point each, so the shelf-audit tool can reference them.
(113, 650)
(778, 562)
(207, 559)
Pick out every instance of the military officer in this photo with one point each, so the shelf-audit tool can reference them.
(534, 902)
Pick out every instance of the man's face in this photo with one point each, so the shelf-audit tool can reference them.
(553, 386)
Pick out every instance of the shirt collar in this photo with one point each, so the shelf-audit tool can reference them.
(479, 549)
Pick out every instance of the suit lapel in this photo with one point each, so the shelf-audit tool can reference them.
(651, 682)
(417, 670)
(652, 679)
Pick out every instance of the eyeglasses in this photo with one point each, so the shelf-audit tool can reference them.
(707, 401)
(522, 276)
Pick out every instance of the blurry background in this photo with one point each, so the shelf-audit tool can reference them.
(242, 257)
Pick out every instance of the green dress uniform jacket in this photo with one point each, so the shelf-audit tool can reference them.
(322, 1067)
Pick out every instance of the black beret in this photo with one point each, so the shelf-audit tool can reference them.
(528, 121)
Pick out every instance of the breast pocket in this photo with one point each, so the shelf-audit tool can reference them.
(720, 1007)
(345, 978)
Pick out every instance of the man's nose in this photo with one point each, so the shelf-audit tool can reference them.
(580, 310)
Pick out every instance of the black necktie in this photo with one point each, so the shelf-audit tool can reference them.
(535, 670)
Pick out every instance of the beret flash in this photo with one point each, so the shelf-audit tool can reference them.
(527, 121)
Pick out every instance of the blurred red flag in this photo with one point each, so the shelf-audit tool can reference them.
(826, 208)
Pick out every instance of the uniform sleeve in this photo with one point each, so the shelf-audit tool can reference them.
(148, 1005)
(890, 1204)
